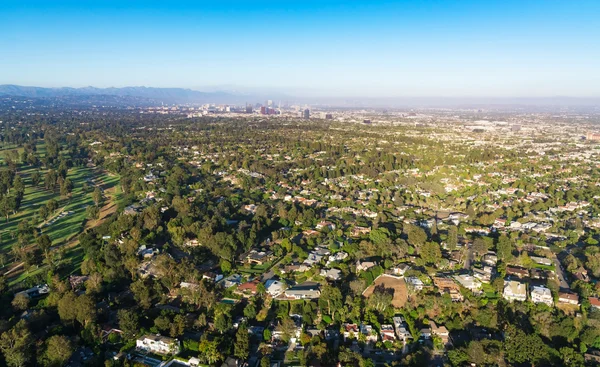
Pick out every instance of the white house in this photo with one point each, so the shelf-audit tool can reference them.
(274, 287)
(515, 291)
(541, 294)
(158, 344)
(415, 283)
(401, 329)
(470, 282)
(400, 269)
(333, 274)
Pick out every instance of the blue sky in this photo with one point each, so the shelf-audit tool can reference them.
(335, 48)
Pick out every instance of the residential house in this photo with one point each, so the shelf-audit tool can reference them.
(232, 362)
(499, 223)
(541, 294)
(518, 272)
(490, 259)
(232, 280)
(333, 274)
(158, 344)
(456, 218)
(306, 290)
(38, 290)
(515, 291)
(369, 333)
(359, 231)
(568, 298)
(313, 258)
(387, 332)
(191, 243)
(425, 333)
(447, 285)
(594, 302)
(350, 331)
(440, 331)
(325, 224)
(364, 265)
(401, 329)
(470, 282)
(581, 274)
(400, 269)
(484, 275)
(338, 256)
(77, 281)
(258, 257)
(274, 287)
(541, 260)
(538, 274)
(248, 288)
(415, 283)
(213, 277)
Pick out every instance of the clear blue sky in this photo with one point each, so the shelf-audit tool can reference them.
(341, 48)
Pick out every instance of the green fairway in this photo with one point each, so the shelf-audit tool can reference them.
(64, 224)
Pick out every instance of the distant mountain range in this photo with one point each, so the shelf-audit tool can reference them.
(183, 95)
(167, 95)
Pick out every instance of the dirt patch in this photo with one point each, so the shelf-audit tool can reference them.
(390, 282)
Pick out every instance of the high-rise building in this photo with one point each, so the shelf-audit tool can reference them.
(592, 136)
(329, 116)
(263, 110)
(249, 108)
(307, 114)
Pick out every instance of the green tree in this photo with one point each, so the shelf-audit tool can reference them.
(452, 240)
(209, 351)
(250, 310)
(15, 345)
(504, 248)
(416, 235)
(431, 253)
(97, 196)
(58, 351)
(571, 358)
(242, 343)
(20, 302)
(331, 300)
(128, 322)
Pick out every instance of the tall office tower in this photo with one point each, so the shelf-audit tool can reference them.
(306, 114)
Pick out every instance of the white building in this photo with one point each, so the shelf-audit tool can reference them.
(415, 283)
(274, 287)
(158, 344)
(401, 329)
(470, 282)
(541, 294)
(514, 291)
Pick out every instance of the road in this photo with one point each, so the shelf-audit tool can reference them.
(560, 273)
(468, 257)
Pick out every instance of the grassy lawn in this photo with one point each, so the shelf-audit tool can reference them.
(255, 269)
(62, 226)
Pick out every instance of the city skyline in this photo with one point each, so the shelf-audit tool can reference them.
(356, 49)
